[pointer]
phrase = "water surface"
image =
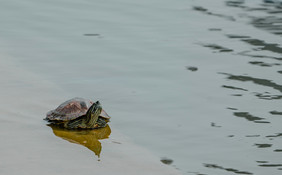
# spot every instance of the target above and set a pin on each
(191, 83)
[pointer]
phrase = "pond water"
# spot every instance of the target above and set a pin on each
(192, 87)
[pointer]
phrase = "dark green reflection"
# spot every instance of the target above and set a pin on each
(268, 97)
(207, 12)
(270, 165)
(88, 138)
(234, 88)
(275, 113)
(245, 53)
(263, 64)
(264, 46)
(217, 47)
(226, 169)
(264, 145)
(237, 36)
(269, 23)
(276, 135)
(166, 161)
(249, 117)
(259, 81)
(238, 4)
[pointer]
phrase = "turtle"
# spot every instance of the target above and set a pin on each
(78, 113)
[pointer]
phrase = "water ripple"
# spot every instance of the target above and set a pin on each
(217, 47)
(275, 113)
(207, 12)
(263, 145)
(263, 64)
(263, 45)
(250, 117)
(258, 81)
(234, 88)
(269, 23)
(226, 169)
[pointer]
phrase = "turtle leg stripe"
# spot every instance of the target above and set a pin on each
(76, 123)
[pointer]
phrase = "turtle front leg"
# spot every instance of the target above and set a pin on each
(76, 123)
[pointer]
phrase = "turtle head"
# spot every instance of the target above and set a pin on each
(96, 106)
(93, 114)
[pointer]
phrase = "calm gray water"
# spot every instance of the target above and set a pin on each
(195, 82)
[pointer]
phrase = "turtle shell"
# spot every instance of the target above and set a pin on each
(72, 109)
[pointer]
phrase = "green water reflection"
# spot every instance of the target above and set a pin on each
(88, 138)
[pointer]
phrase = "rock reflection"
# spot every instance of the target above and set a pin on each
(88, 138)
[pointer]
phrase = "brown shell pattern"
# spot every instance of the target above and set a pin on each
(70, 109)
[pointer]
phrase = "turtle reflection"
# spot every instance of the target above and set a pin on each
(88, 138)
